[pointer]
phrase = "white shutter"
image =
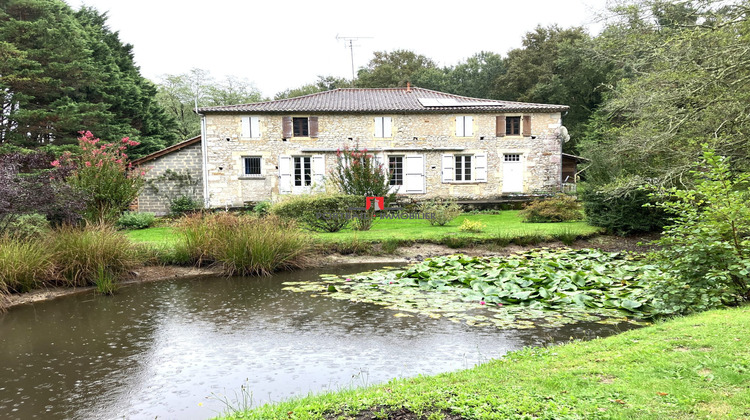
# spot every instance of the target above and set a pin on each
(480, 167)
(318, 171)
(245, 127)
(378, 126)
(379, 161)
(468, 126)
(448, 165)
(285, 174)
(255, 127)
(459, 126)
(387, 127)
(414, 174)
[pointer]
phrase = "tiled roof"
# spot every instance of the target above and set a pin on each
(384, 100)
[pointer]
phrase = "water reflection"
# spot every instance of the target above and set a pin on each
(160, 349)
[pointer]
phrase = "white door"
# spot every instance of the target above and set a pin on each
(512, 173)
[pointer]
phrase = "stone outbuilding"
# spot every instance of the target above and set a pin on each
(432, 143)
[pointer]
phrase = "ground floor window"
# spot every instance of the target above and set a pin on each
(396, 170)
(302, 171)
(252, 165)
(463, 168)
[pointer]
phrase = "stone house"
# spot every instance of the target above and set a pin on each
(433, 144)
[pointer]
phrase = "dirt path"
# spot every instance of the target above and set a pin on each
(417, 252)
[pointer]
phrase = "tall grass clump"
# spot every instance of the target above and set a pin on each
(24, 265)
(243, 244)
(94, 255)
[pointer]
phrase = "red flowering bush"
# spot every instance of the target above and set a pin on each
(102, 172)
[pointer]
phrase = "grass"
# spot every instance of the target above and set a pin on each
(503, 228)
(692, 367)
(24, 264)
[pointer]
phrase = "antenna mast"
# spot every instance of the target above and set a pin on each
(350, 40)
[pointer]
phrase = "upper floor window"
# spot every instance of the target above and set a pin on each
(464, 126)
(251, 127)
(300, 127)
(383, 127)
(512, 126)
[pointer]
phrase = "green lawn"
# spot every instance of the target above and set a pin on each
(686, 368)
(506, 224)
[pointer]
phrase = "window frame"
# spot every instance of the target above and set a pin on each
(459, 170)
(299, 121)
(509, 125)
(245, 166)
(394, 173)
(305, 171)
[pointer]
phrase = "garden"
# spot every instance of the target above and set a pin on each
(74, 230)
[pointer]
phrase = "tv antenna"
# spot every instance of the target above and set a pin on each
(349, 43)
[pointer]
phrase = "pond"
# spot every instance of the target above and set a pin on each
(175, 349)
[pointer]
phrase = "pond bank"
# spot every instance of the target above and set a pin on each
(690, 367)
(412, 253)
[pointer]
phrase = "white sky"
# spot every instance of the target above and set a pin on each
(285, 44)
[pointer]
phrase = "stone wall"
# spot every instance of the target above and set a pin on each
(163, 186)
(433, 134)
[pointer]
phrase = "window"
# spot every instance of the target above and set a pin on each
(512, 126)
(300, 127)
(396, 170)
(513, 157)
(464, 126)
(463, 167)
(252, 165)
(383, 127)
(302, 171)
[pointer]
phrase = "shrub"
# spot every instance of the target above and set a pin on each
(706, 249)
(359, 173)
(619, 208)
(136, 220)
(363, 222)
(24, 264)
(94, 255)
(322, 212)
(27, 226)
(184, 204)
(472, 226)
(242, 244)
(103, 174)
(262, 208)
(561, 208)
(443, 211)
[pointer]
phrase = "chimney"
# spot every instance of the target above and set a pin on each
(408, 87)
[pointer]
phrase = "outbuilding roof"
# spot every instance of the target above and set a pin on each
(404, 99)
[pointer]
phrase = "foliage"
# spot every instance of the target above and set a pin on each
(359, 173)
(103, 174)
(242, 244)
(474, 226)
(93, 255)
(136, 220)
(322, 212)
(323, 84)
(24, 264)
(27, 226)
(560, 208)
(392, 69)
(442, 211)
(62, 70)
(619, 207)
(179, 94)
(28, 184)
(706, 249)
(262, 208)
(184, 204)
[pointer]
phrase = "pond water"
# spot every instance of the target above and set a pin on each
(174, 349)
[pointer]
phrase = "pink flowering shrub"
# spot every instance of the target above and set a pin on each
(102, 172)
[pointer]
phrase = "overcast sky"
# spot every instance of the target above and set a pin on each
(285, 44)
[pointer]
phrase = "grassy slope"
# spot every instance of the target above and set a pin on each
(505, 224)
(692, 367)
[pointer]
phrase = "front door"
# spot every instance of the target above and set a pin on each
(512, 173)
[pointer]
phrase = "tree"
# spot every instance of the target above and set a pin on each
(180, 94)
(476, 76)
(392, 69)
(323, 84)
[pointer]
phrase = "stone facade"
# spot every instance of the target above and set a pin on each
(166, 179)
(431, 135)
